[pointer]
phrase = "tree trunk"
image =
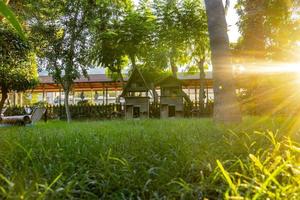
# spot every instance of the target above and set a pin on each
(226, 107)
(172, 62)
(121, 78)
(155, 95)
(254, 35)
(132, 58)
(4, 95)
(202, 83)
(122, 83)
(173, 67)
(68, 113)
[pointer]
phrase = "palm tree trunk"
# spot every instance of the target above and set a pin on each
(226, 107)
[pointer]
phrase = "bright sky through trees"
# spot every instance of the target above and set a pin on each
(232, 19)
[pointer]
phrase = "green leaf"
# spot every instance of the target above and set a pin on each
(227, 177)
(6, 12)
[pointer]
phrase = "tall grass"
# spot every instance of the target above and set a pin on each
(152, 159)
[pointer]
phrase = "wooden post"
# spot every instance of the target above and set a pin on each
(43, 94)
(207, 93)
(92, 98)
(196, 95)
(53, 97)
(106, 95)
(14, 98)
(103, 94)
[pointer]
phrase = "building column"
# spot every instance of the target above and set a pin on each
(103, 95)
(21, 99)
(92, 96)
(15, 98)
(196, 99)
(106, 95)
(43, 94)
(59, 96)
(207, 92)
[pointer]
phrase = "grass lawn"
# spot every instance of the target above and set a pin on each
(151, 159)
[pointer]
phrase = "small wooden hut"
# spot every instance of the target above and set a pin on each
(136, 95)
(172, 97)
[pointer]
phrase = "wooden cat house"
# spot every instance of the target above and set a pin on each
(172, 98)
(136, 95)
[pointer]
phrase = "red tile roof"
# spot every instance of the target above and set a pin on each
(96, 78)
(93, 78)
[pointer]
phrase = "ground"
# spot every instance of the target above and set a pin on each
(150, 159)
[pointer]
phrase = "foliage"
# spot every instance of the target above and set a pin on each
(121, 32)
(105, 19)
(170, 32)
(271, 172)
(61, 34)
(18, 70)
(269, 95)
(269, 29)
(153, 33)
(6, 12)
(194, 22)
(152, 159)
(64, 39)
(136, 30)
(17, 63)
(83, 102)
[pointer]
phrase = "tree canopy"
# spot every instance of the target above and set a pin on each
(59, 31)
(269, 28)
(18, 69)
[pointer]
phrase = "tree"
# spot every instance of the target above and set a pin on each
(120, 31)
(135, 32)
(18, 70)
(194, 22)
(269, 34)
(60, 32)
(226, 107)
(170, 32)
(269, 29)
(104, 22)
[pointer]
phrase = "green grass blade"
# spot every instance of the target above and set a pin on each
(49, 187)
(6, 12)
(227, 177)
(268, 180)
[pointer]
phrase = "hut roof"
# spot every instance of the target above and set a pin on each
(138, 79)
(169, 81)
